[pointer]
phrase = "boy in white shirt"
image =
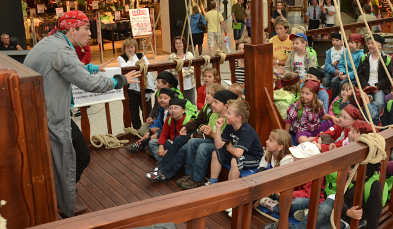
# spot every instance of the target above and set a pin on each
(333, 57)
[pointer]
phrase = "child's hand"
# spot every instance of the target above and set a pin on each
(149, 121)
(207, 129)
(161, 151)
(366, 97)
(332, 146)
(319, 140)
(335, 120)
(145, 136)
(355, 213)
(342, 77)
(318, 145)
(183, 131)
(154, 130)
(219, 123)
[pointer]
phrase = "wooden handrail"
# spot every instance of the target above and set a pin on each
(200, 202)
(351, 27)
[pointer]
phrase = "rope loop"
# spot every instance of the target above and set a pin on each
(221, 54)
(207, 61)
(179, 64)
(107, 140)
(143, 67)
(129, 130)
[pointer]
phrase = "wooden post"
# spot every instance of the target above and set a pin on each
(359, 190)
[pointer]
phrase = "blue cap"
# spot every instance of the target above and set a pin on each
(298, 35)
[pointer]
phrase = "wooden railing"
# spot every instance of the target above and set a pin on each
(352, 27)
(193, 206)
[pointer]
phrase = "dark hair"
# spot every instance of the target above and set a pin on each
(367, 8)
(213, 4)
(174, 50)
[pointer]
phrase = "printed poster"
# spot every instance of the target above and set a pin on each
(95, 5)
(83, 98)
(117, 16)
(140, 22)
(59, 12)
(40, 8)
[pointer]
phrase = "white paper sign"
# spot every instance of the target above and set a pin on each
(95, 5)
(32, 11)
(40, 8)
(59, 12)
(140, 22)
(117, 16)
(82, 98)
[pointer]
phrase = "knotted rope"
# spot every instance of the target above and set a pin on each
(143, 67)
(221, 54)
(129, 130)
(179, 64)
(109, 140)
(376, 153)
(207, 61)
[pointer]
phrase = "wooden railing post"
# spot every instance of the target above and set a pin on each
(199, 223)
(359, 190)
(339, 201)
(143, 98)
(232, 67)
(284, 205)
(85, 124)
(314, 203)
(126, 108)
(241, 216)
(197, 73)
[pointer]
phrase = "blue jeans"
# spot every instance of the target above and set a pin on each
(379, 97)
(323, 221)
(199, 154)
(297, 204)
(237, 33)
(328, 80)
(153, 145)
(336, 85)
(175, 157)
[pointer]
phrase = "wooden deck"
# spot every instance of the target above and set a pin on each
(116, 177)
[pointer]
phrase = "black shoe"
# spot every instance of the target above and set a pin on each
(77, 113)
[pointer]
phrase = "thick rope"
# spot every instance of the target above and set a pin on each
(179, 64)
(221, 54)
(108, 140)
(143, 68)
(207, 62)
(129, 130)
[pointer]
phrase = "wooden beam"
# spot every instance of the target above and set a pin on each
(314, 203)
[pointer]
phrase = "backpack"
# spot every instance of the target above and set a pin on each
(312, 52)
(388, 59)
(185, 121)
(191, 109)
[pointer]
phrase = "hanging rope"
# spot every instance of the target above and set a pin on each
(108, 140)
(221, 54)
(143, 67)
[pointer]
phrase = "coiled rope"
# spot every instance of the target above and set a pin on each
(221, 54)
(143, 69)
(110, 141)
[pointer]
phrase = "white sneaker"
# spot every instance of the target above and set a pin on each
(268, 203)
(228, 210)
(300, 215)
(207, 183)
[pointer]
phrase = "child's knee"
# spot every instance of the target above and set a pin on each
(214, 155)
(234, 163)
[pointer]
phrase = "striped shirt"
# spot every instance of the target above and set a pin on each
(240, 74)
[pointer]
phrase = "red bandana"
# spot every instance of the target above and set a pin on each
(312, 85)
(353, 112)
(282, 83)
(363, 127)
(71, 19)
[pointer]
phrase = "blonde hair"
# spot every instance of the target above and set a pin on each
(242, 108)
(128, 42)
(236, 88)
(345, 86)
(217, 78)
(299, 29)
(214, 88)
(292, 88)
(282, 137)
(316, 106)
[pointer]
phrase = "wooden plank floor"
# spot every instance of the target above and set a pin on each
(116, 177)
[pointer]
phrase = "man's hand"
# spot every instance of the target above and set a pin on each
(149, 121)
(183, 131)
(355, 213)
(132, 75)
(102, 66)
(219, 123)
(336, 72)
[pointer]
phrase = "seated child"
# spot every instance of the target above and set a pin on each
(334, 108)
(286, 92)
(199, 148)
(355, 42)
(372, 105)
(338, 133)
(304, 116)
(302, 193)
(210, 77)
(333, 57)
(300, 61)
(317, 75)
(237, 89)
(245, 149)
(165, 95)
(164, 80)
(371, 72)
(177, 118)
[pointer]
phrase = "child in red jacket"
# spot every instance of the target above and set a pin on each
(338, 133)
(210, 76)
(173, 124)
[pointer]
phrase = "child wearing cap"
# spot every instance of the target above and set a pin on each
(333, 57)
(177, 118)
(304, 116)
(238, 145)
(164, 80)
(301, 193)
(355, 42)
(155, 128)
(286, 92)
(300, 60)
(338, 133)
(199, 148)
(371, 105)
(210, 77)
(317, 75)
(371, 72)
